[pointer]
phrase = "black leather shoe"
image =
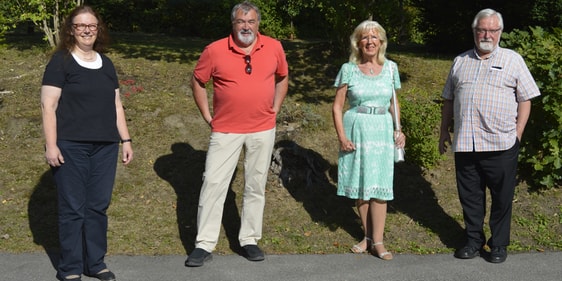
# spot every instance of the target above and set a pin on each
(468, 252)
(254, 253)
(198, 257)
(71, 279)
(498, 255)
(105, 276)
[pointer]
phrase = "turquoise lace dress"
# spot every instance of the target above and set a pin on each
(368, 171)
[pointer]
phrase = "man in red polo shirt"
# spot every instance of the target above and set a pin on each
(250, 81)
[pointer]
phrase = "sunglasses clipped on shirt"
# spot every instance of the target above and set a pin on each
(248, 61)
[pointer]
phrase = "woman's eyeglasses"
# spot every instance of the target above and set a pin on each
(82, 26)
(248, 61)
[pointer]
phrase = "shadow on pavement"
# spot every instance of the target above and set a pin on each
(43, 217)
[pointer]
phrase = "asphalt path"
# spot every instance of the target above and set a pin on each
(546, 266)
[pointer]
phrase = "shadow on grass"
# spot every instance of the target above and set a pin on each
(24, 41)
(311, 71)
(43, 217)
(304, 173)
(414, 197)
(183, 169)
(158, 47)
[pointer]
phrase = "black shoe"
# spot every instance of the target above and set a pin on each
(254, 253)
(468, 252)
(105, 276)
(498, 255)
(71, 279)
(198, 257)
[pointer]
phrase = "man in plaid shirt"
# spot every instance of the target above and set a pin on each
(488, 95)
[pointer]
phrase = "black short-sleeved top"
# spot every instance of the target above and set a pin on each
(86, 109)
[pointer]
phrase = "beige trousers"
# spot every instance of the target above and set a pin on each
(222, 159)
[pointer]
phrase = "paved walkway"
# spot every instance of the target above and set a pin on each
(518, 267)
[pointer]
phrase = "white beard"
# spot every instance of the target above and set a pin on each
(247, 38)
(486, 46)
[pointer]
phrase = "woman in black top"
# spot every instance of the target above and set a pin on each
(83, 123)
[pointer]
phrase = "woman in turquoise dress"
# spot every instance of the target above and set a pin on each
(366, 132)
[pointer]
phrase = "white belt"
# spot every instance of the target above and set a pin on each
(372, 109)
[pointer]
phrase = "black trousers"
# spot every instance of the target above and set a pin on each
(84, 184)
(496, 170)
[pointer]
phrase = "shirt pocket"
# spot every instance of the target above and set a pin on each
(499, 77)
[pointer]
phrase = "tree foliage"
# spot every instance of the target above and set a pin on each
(7, 16)
(443, 25)
(48, 15)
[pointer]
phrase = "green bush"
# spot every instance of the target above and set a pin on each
(540, 154)
(420, 118)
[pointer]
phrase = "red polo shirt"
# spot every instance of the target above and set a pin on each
(242, 103)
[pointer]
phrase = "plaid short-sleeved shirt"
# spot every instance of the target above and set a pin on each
(486, 93)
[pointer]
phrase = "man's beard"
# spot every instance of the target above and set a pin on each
(242, 36)
(486, 46)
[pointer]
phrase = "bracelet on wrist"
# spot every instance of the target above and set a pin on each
(126, 140)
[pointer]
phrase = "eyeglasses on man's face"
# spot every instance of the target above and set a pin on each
(481, 31)
(248, 61)
(243, 22)
(83, 26)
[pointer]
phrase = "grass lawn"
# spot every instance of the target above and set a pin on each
(154, 205)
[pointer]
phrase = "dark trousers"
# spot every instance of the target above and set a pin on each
(496, 170)
(84, 185)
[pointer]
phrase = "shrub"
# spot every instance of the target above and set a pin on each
(540, 153)
(420, 119)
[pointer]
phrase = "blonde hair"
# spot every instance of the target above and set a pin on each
(355, 38)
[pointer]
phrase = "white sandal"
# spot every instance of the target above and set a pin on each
(384, 255)
(356, 249)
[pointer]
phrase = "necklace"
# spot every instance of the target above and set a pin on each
(371, 71)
